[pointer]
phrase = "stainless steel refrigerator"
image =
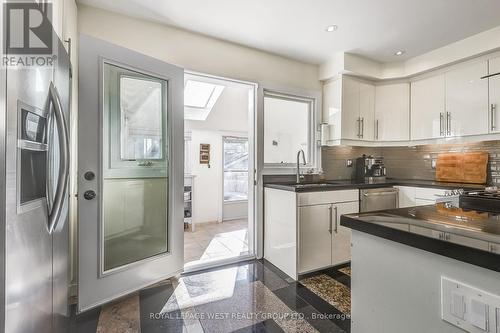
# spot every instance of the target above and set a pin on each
(34, 169)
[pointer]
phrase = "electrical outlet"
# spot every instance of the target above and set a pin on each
(433, 163)
(348, 163)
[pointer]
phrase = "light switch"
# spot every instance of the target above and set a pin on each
(457, 305)
(478, 315)
(469, 308)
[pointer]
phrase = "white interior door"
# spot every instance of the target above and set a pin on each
(131, 156)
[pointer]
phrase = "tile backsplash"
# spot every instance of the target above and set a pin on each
(406, 162)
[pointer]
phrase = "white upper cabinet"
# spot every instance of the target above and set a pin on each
(494, 87)
(349, 109)
(450, 103)
(367, 110)
(467, 100)
(351, 125)
(428, 108)
(392, 112)
(332, 102)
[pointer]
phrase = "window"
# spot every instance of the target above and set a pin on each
(287, 128)
(200, 98)
(134, 122)
(140, 119)
(235, 168)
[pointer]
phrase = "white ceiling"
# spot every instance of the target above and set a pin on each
(296, 28)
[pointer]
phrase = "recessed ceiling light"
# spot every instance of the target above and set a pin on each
(332, 28)
(400, 52)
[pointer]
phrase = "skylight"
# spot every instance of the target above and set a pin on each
(200, 98)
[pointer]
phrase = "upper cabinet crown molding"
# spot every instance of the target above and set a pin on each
(468, 48)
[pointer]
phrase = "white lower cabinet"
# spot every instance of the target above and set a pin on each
(406, 196)
(302, 231)
(315, 238)
(323, 242)
(410, 196)
(341, 236)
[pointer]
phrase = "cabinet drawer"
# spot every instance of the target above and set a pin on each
(426, 232)
(452, 238)
(428, 193)
(467, 241)
(319, 198)
(494, 247)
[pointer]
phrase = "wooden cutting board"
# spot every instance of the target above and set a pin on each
(462, 167)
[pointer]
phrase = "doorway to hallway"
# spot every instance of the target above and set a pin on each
(219, 163)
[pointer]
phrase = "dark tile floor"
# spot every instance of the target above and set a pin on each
(252, 296)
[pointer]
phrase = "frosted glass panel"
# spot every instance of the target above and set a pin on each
(140, 118)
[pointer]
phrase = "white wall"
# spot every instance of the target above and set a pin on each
(196, 52)
(208, 189)
(397, 288)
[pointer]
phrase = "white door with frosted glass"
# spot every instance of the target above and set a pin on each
(130, 177)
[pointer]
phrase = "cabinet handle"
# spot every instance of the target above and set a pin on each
(330, 222)
(448, 123)
(441, 131)
(358, 121)
(336, 220)
(362, 127)
(376, 129)
(493, 114)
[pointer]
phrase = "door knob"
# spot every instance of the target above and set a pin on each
(89, 175)
(89, 195)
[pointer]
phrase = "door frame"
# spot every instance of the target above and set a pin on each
(104, 288)
(253, 236)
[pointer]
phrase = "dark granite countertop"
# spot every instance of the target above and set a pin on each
(468, 236)
(332, 185)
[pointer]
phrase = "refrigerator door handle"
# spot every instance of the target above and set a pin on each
(57, 204)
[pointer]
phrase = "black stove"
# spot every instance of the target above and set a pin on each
(485, 201)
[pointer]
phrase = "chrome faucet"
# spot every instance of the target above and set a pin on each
(299, 176)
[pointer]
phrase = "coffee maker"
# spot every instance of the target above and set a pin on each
(370, 169)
